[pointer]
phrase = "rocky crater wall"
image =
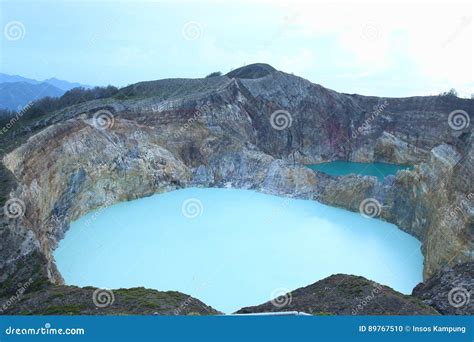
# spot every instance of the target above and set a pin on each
(226, 138)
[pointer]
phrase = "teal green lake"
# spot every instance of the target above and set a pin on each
(341, 168)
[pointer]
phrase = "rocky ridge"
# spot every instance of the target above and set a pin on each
(342, 294)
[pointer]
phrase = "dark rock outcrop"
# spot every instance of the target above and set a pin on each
(343, 294)
(450, 290)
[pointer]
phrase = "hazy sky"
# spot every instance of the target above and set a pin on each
(399, 49)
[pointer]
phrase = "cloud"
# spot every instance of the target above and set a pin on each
(435, 38)
(399, 49)
(298, 61)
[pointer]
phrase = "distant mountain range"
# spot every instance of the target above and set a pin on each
(17, 91)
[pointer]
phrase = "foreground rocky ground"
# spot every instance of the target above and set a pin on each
(254, 129)
(71, 300)
(450, 290)
(336, 295)
(447, 292)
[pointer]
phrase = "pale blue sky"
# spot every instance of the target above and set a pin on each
(373, 49)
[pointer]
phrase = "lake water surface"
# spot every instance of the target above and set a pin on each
(232, 248)
(341, 168)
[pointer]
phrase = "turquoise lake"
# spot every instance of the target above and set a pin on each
(340, 168)
(232, 248)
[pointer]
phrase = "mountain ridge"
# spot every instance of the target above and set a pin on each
(17, 91)
(17, 95)
(58, 83)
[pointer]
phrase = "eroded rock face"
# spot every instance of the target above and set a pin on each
(230, 132)
(389, 147)
(342, 294)
(435, 202)
(424, 202)
(86, 168)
